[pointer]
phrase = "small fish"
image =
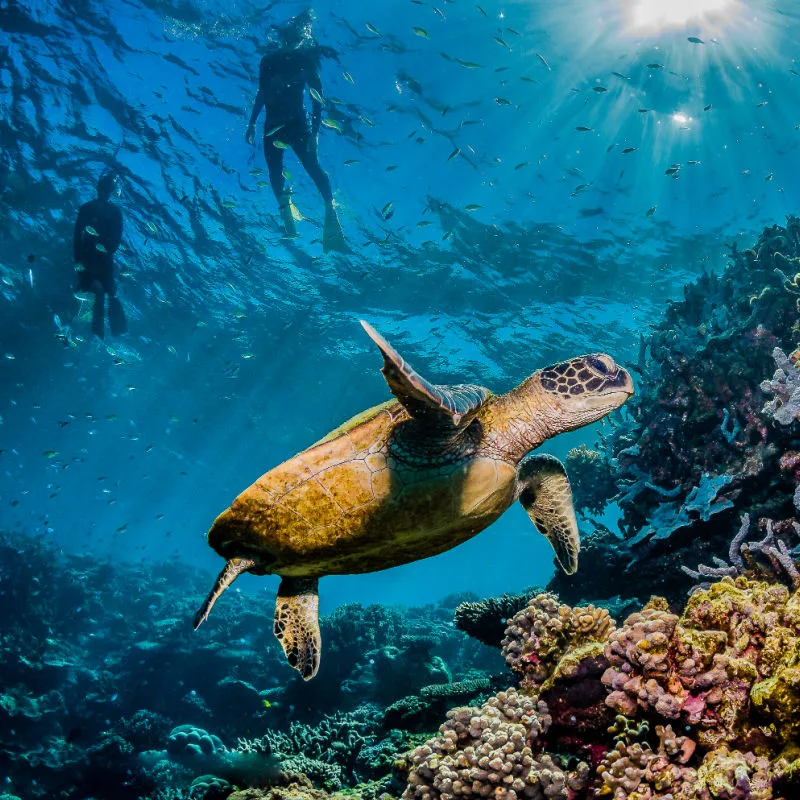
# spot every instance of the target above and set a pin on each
(630, 149)
(391, 168)
(472, 207)
(228, 204)
(502, 42)
(544, 61)
(599, 89)
(693, 163)
(695, 40)
(316, 95)
(655, 66)
(262, 184)
(256, 172)
(482, 11)
(266, 703)
(582, 128)
(762, 104)
(50, 454)
(528, 80)
(501, 101)
(348, 77)
(372, 29)
(672, 170)
(387, 208)
(351, 161)
(332, 124)
(708, 107)
(421, 32)
(643, 110)
(454, 154)
(620, 75)
(91, 231)
(469, 64)
(273, 131)
(100, 248)
(651, 211)
(152, 227)
(514, 31)
(522, 164)
(769, 177)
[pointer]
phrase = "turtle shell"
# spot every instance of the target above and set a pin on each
(364, 499)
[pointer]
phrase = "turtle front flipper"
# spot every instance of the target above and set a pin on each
(455, 404)
(545, 494)
(297, 624)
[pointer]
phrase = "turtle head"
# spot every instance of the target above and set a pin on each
(584, 389)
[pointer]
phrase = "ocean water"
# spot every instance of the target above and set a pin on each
(518, 184)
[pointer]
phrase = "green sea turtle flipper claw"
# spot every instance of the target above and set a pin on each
(297, 624)
(545, 494)
(423, 400)
(232, 570)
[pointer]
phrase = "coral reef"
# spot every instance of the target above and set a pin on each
(709, 435)
(706, 706)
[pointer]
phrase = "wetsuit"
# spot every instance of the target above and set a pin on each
(283, 77)
(98, 232)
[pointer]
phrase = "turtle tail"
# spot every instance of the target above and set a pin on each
(233, 569)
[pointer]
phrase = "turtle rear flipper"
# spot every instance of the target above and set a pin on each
(547, 497)
(297, 624)
(425, 401)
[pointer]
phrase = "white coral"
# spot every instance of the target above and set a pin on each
(785, 386)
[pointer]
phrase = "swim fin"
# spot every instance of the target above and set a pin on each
(116, 317)
(332, 234)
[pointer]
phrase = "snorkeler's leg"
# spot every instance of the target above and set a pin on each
(332, 234)
(274, 158)
(98, 309)
(116, 313)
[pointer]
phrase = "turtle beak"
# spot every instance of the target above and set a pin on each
(233, 569)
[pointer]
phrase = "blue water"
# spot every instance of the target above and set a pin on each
(242, 349)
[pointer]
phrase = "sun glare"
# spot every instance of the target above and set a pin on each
(653, 16)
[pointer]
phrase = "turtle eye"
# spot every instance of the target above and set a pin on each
(602, 363)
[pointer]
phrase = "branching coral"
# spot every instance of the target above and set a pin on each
(785, 388)
(769, 557)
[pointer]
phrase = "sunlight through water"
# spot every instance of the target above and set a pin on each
(653, 16)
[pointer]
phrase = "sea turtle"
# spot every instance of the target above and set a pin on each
(409, 479)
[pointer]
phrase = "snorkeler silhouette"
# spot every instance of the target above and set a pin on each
(98, 231)
(284, 74)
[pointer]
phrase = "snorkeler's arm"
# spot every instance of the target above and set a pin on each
(315, 83)
(257, 106)
(259, 103)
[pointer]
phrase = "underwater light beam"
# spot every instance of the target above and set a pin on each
(653, 16)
